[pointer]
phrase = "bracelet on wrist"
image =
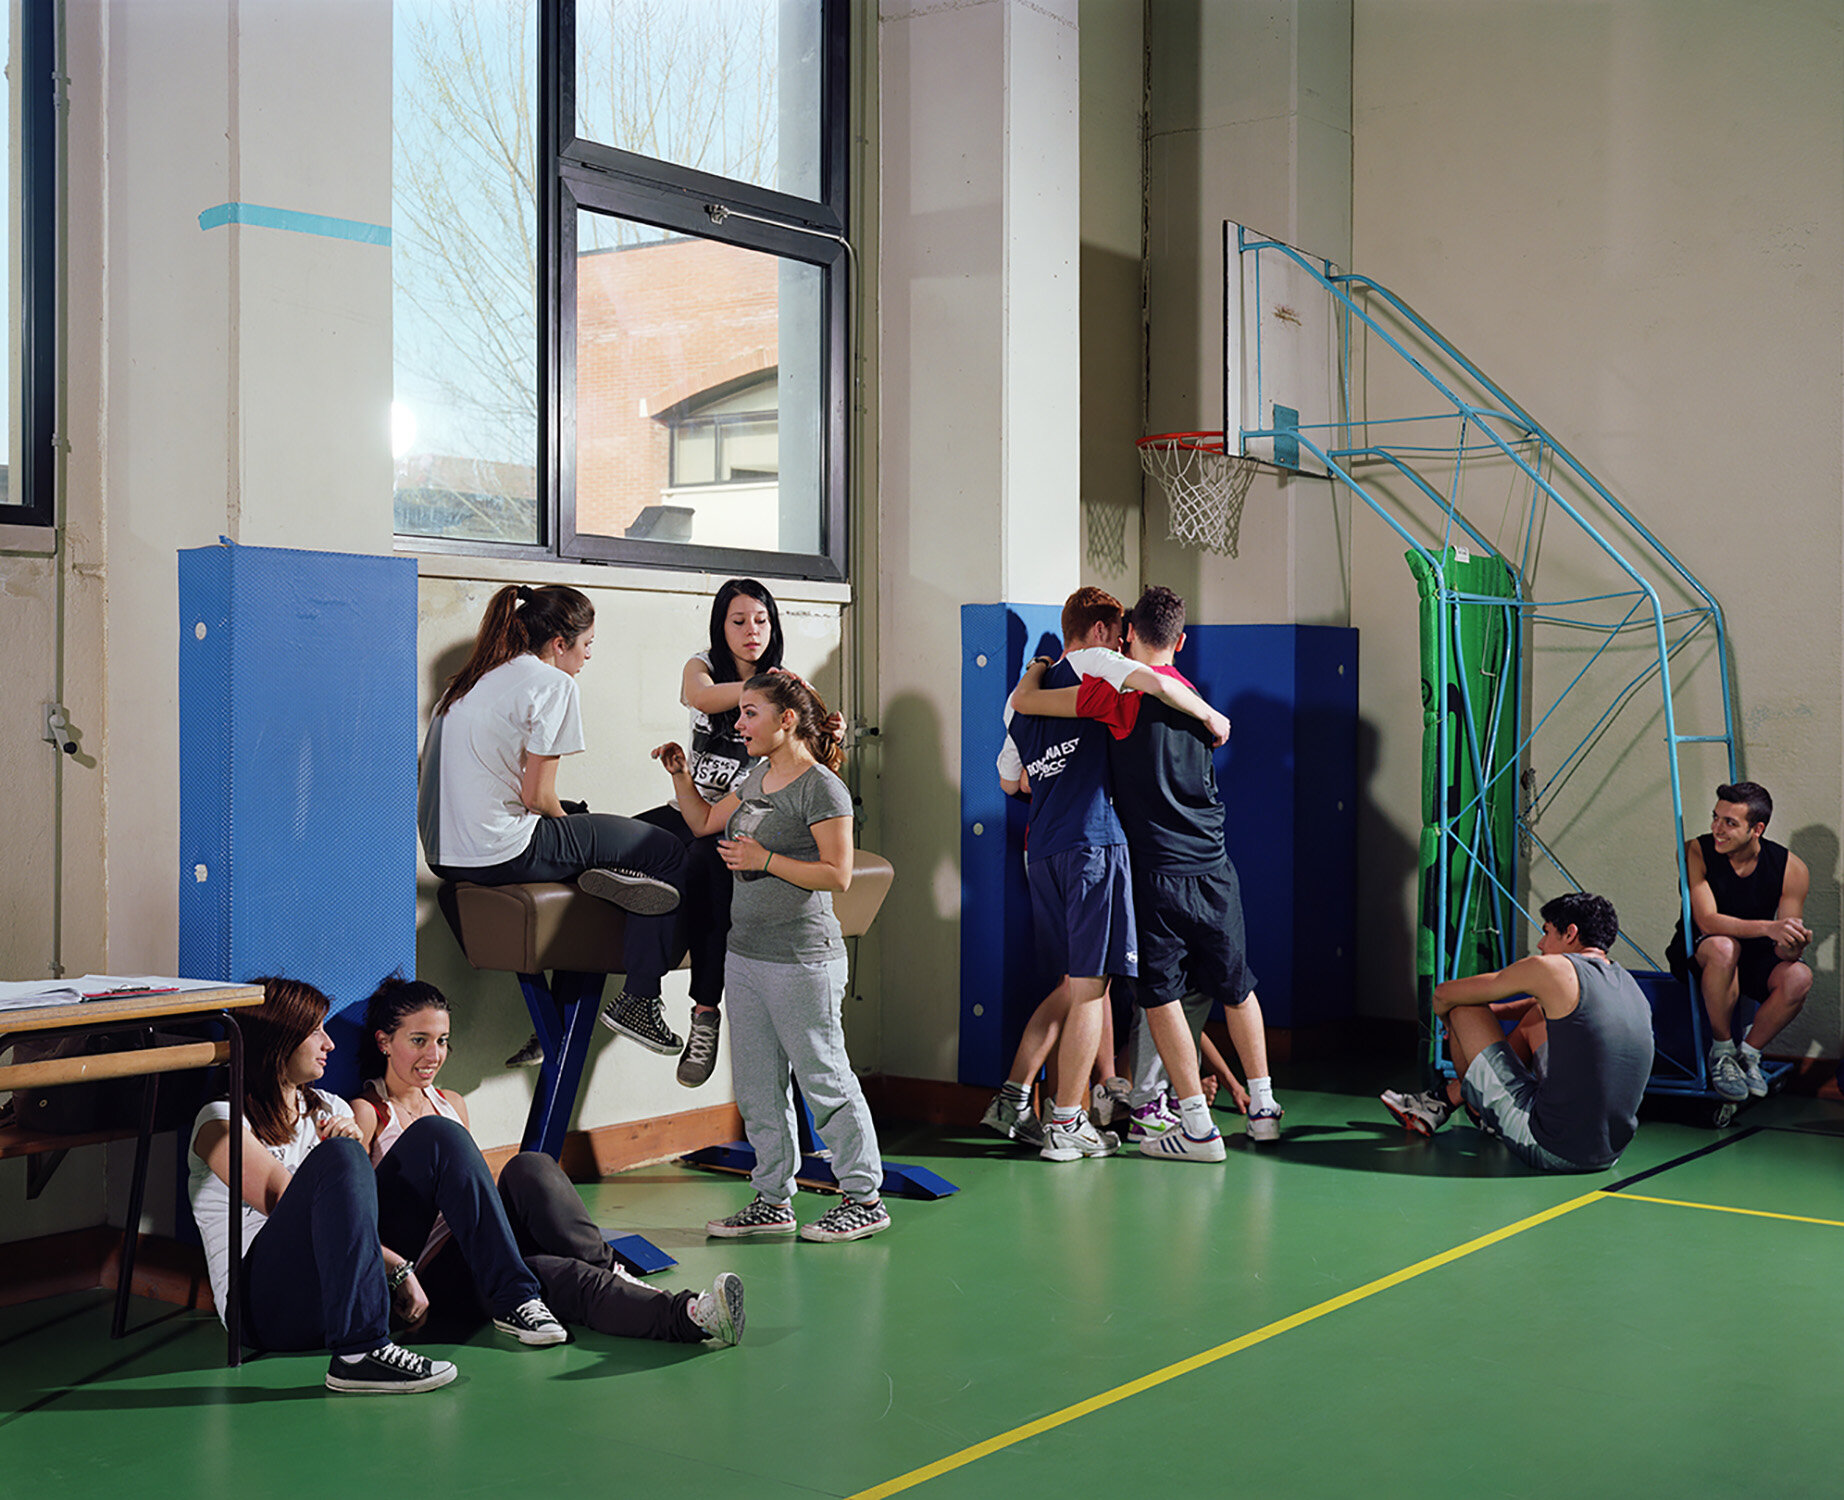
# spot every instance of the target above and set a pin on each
(769, 861)
(402, 1274)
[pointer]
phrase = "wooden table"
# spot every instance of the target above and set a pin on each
(140, 1013)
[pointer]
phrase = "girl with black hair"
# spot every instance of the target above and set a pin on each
(487, 805)
(407, 1031)
(745, 639)
(316, 1273)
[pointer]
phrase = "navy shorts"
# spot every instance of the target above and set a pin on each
(1192, 939)
(1082, 905)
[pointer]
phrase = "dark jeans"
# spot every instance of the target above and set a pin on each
(562, 848)
(435, 1167)
(562, 1244)
(704, 910)
(313, 1277)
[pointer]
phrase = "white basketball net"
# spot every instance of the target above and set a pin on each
(1204, 487)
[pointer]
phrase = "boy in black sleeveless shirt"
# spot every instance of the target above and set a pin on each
(1747, 903)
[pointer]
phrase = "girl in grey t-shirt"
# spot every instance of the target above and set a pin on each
(788, 841)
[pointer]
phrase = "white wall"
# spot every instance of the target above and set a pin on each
(1630, 216)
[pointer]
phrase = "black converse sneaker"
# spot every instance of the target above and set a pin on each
(719, 1312)
(529, 1055)
(700, 1048)
(848, 1219)
(639, 1017)
(389, 1370)
(531, 1322)
(630, 890)
(761, 1217)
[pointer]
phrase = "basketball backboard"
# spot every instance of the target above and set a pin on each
(1280, 351)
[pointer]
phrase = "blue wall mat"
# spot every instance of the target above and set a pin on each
(297, 739)
(1288, 777)
(1000, 983)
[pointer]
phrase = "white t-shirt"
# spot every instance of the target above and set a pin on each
(469, 812)
(1091, 661)
(210, 1194)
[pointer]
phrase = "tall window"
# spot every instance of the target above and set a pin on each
(621, 283)
(30, 371)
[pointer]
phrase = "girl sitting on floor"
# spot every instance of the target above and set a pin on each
(407, 1031)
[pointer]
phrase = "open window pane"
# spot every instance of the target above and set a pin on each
(698, 380)
(728, 87)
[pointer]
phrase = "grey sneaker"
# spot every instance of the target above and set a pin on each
(639, 1017)
(1727, 1078)
(1750, 1069)
(631, 891)
(700, 1048)
(848, 1219)
(1079, 1138)
(531, 1323)
(719, 1312)
(1107, 1101)
(1014, 1122)
(529, 1055)
(389, 1370)
(761, 1217)
(1422, 1113)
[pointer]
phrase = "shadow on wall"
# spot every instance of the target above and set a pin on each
(1817, 845)
(1387, 861)
(920, 927)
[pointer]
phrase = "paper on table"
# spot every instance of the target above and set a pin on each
(22, 994)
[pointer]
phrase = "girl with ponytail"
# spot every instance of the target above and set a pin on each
(787, 838)
(487, 805)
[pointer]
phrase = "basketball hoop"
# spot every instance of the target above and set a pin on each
(1204, 486)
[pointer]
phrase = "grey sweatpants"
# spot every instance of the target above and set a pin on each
(788, 1015)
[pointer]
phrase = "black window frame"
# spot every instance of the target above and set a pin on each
(577, 174)
(31, 498)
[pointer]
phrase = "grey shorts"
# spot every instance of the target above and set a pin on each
(1501, 1090)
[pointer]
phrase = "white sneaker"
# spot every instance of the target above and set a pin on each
(1177, 1145)
(1067, 1142)
(1750, 1069)
(719, 1311)
(1265, 1123)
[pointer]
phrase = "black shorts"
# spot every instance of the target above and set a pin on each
(1191, 938)
(1755, 971)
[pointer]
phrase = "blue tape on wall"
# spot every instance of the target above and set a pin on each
(297, 720)
(260, 217)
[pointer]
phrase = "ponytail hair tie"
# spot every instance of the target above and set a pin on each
(524, 594)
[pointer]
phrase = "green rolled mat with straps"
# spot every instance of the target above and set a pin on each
(1470, 693)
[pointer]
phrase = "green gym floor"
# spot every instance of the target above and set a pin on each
(1353, 1312)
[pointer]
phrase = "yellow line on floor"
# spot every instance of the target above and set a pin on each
(1210, 1356)
(1723, 1208)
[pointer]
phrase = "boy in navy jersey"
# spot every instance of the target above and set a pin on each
(1186, 897)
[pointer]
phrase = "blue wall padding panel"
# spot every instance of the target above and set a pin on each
(1000, 983)
(297, 741)
(1288, 778)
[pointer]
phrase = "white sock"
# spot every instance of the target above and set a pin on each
(1066, 1116)
(1752, 1054)
(1195, 1114)
(1722, 1049)
(1015, 1093)
(1261, 1094)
